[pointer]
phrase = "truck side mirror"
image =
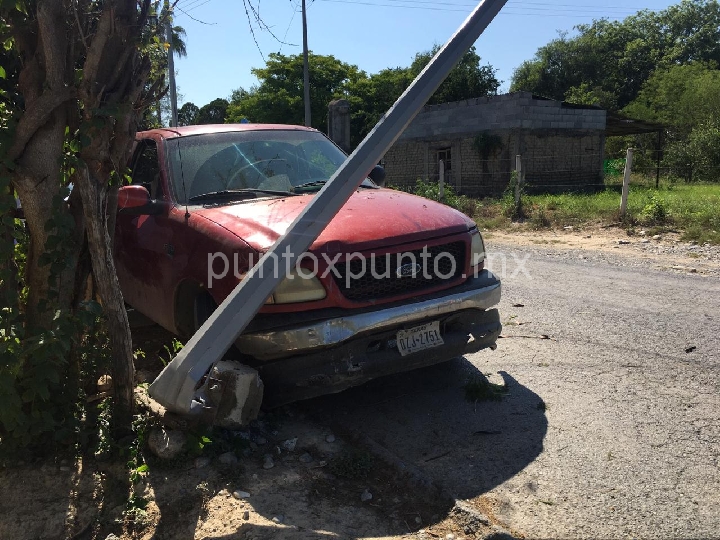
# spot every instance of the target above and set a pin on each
(377, 175)
(136, 201)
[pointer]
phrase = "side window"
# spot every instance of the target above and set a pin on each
(146, 168)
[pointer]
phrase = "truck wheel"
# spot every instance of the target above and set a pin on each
(203, 308)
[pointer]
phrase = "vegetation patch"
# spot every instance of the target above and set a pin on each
(353, 464)
(480, 389)
(693, 209)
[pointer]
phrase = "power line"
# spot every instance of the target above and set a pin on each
(193, 18)
(198, 5)
(191, 4)
(295, 11)
(508, 11)
(523, 5)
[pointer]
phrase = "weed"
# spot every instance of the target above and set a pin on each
(197, 443)
(172, 350)
(511, 208)
(353, 464)
(539, 219)
(480, 389)
(137, 470)
(655, 211)
(135, 509)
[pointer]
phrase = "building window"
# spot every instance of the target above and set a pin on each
(445, 156)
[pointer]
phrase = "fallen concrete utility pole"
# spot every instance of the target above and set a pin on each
(176, 387)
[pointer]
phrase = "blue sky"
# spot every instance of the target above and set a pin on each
(372, 34)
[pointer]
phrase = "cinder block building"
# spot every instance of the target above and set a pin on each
(561, 144)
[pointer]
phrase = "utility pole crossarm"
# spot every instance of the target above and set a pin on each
(177, 386)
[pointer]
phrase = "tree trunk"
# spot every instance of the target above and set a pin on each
(8, 268)
(93, 190)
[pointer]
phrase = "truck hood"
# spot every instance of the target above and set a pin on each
(371, 218)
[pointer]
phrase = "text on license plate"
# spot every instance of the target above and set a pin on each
(419, 338)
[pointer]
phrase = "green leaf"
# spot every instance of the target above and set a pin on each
(2, 73)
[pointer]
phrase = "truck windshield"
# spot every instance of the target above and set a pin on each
(268, 162)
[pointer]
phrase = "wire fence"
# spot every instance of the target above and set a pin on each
(554, 173)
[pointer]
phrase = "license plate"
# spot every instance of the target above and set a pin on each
(421, 337)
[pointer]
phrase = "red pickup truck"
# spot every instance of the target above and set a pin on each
(393, 283)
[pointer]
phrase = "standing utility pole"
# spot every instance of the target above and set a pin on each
(306, 68)
(171, 68)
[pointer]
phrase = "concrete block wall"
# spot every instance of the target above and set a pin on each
(405, 163)
(487, 174)
(560, 160)
(510, 111)
(553, 160)
(562, 146)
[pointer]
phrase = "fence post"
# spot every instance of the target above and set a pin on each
(442, 180)
(626, 183)
(518, 179)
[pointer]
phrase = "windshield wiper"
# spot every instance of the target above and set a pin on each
(236, 193)
(314, 183)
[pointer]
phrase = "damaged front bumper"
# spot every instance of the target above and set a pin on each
(327, 355)
(478, 293)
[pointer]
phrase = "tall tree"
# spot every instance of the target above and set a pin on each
(468, 79)
(686, 100)
(188, 114)
(83, 78)
(616, 58)
(279, 96)
(213, 113)
(371, 97)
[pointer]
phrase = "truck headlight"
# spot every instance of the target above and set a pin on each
(297, 288)
(477, 249)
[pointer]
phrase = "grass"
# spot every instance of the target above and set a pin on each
(692, 209)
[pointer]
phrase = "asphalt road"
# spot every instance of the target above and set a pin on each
(627, 441)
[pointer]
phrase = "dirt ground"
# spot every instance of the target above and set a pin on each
(349, 476)
(319, 489)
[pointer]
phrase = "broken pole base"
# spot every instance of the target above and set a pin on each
(237, 392)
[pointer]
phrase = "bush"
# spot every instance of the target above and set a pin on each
(655, 212)
(431, 190)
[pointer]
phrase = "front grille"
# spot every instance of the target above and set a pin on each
(386, 283)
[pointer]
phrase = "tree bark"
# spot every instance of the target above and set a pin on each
(93, 192)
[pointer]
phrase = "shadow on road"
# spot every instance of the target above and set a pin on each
(424, 418)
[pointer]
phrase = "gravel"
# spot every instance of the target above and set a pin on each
(658, 256)
(228, 458)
